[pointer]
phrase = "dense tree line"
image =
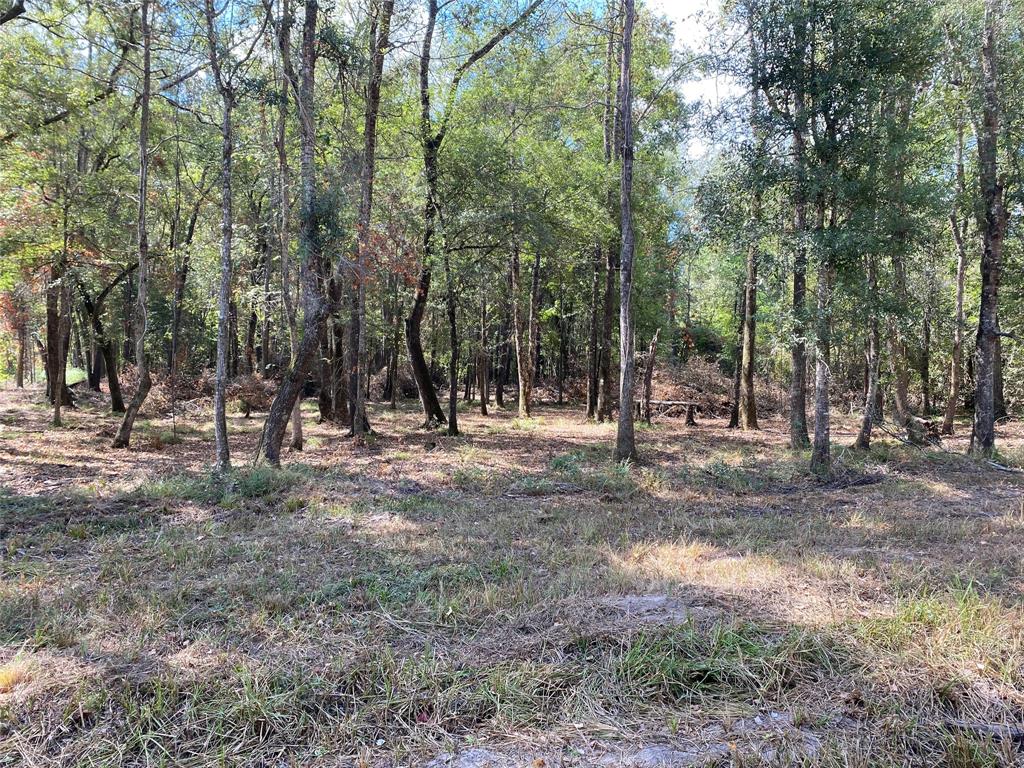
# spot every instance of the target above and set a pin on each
(496, 196)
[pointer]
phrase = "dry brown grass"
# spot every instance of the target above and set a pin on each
(511, 589)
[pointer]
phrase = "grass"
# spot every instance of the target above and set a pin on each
(513, 589)
(15, 672)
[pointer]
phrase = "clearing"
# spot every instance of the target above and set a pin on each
(506, 598)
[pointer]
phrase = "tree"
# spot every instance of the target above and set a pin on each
(432, 132)
(625, 441)
(124, 433)
(318, 296)
(993, 223)
(379, 33)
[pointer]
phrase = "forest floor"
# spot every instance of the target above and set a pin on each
(509, 597)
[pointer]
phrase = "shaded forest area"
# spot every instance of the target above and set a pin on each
(515, 383)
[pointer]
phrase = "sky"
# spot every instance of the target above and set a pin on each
(692, 21)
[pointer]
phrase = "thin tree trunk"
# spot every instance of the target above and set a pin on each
(379, 40)
(798, 352)
(612, 151)
(318, 295)
(652, 353)
(993, 228)
(482, 356)
(737, 363)
(871, 390)
(124, 433)
(524, 346)
(821, 457)
(62, 346)
(289, 85)
(19, 374)
(593, 348)
(432, 413)
(224, 304)
(625, 441)
(453, 340)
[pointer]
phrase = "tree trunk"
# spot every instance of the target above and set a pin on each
(482, 357)
(124, 433)
(821, 457)
(524, 337)
(649, 376)
(19, 373)
(957, 356)
(379, 40)
(224, 304)
(625, 441)
(798, 350)
(871, 390)
(453, 340)
(593, 350)
(318, 294)
(63, 336)
(737, 364)
(612, 151)
(433, 414)
(993, 223)
(289, 86)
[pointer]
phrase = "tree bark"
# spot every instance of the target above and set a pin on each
(993, 224)
(747, 403)
(225, 309)
(318, 295)
(612, 151)
(124, 433)
(863, 441)
(379, 40)
(19, 373)
(821, 456)
(525, 334)
(652, 353)
(482, 358)
(593, 348)
(453, 341)
(798, 351)
(431, 142)
(94, 309)
(289, 86)
(625, 441)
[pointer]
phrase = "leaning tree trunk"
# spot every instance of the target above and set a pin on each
(993, 228)
(625, 440)
(432, 411)
(124, 433)
(317, 293)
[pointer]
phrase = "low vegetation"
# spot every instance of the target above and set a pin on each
(509, 594)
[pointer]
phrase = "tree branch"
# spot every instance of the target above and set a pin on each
(64, 114)
(17, 9)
